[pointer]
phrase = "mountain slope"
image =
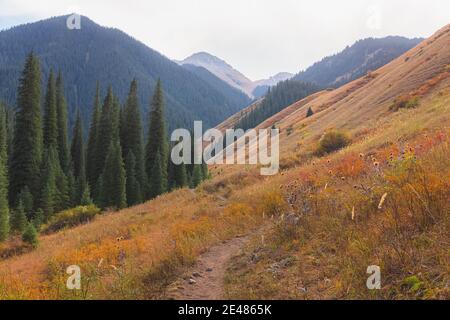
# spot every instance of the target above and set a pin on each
(324, 223)
(225, 72)
(221, 69)
(355, 61)
(231, 94)
(111, 57)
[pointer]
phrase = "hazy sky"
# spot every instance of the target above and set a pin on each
(257, 37)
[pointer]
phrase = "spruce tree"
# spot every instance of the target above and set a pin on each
(4, 208)
(156, 182)
(78, 160)
(27, 142)
(50, 114)
(205, 173)
(48, 197)
(105, 130)
(131, 135)
(86, 199)
(30, 235)
(91, 154)
(309, 113)
(157, 141)
(63, 140)
(133, 187)
(27, 201)
(113, 192)
(196, 175)
(18, 219)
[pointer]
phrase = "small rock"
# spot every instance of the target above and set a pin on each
(209, 269)
(302, 289)
(192, 281)
(196, 275)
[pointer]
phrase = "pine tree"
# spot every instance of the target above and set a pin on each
(91, 156)
(18, 219)
(196, 175)
(309, 113)
(156, 182)
(48, 197)
(205, 173)
(157, 140)
(86, 199)
(132, 136)
(50, 114)
(4, 209)
(105, 130)
(27, 201)
(133, 187)
(78, 160)
(30, 235)
(63, 140)
(114, 179)
(27, 142)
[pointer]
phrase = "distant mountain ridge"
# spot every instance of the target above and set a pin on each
(356, 60)
(95, 53)
(233, 77)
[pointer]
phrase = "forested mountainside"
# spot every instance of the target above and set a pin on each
(95, 53)
(356, 60)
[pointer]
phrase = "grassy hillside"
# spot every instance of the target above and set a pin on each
(383, 200)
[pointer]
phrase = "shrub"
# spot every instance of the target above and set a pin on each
(30, 235)
(72, 217)
(404, 102)
(332, 141)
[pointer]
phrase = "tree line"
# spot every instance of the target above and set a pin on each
(43, 173)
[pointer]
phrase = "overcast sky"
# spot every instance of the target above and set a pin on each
(257, 37)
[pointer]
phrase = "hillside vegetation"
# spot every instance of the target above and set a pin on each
(381, 200)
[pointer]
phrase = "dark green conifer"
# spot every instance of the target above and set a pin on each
(63, 140)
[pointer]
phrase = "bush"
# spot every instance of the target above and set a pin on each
(30, 235)
(404, 102)
(332, 141)
(72, 217)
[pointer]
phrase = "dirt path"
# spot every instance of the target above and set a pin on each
(206, 279)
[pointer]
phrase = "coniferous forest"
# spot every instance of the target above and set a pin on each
(43, 172)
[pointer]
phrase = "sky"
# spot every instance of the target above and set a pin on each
(258, 37)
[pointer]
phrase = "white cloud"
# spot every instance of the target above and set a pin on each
(258, 37)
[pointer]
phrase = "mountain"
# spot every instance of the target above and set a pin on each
(233, 77)
(381, 201)
(221, 69)
(356, 60)
(234, 95)
(261, 86)
(95, 53)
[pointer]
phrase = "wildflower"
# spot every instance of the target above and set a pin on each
(342, 178)
(353, 213)
(383, 198)
(330, 172)
(376, 164)
(361, 155)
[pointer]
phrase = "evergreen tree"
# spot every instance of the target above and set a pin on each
(114, 179)
(196, 175)
(91, 157)
(30, 235)
(133, 187)
(48, 198)
(86, 199)
(38, 219)
(180, 176)
(205, 173)
(4, 209)
(156, 182)
(63, 140)
(18, 219)
(27, 200)
(50, 114)
(105, 131)
(27, 142)
(78, 160)
(132, 136)
(157, 139)
(309, 113)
